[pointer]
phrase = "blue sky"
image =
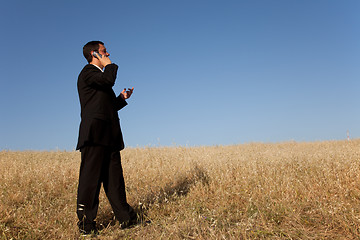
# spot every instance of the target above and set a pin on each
(205, 72)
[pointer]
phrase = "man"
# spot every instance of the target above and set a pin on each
(100, 140)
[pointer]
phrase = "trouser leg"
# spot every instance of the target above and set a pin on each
(114, 186)
(92, 159)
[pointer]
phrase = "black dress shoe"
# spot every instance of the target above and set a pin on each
(87, 228)
(133, 222)
(128, 224)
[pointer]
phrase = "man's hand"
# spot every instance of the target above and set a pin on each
(125, 94)
(104, 60)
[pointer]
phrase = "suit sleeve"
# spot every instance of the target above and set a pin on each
(102, 79)
(120, 103)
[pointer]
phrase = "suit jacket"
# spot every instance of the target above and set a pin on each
(99, 105)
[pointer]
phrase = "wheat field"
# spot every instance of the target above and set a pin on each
(290, 190)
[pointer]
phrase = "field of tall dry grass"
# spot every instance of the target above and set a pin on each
(286, 190)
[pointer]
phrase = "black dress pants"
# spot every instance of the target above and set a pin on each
(100, 164)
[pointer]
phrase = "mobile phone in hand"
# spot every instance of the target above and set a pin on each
(97, 55)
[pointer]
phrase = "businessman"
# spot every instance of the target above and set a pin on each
(100, 140)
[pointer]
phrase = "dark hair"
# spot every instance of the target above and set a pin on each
(91, 46)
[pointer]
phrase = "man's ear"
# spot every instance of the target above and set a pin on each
(92, 55)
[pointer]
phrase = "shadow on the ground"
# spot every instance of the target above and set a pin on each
(180, 187)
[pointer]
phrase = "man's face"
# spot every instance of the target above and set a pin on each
(102, 50)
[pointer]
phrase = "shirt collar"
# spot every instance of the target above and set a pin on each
(98, 67)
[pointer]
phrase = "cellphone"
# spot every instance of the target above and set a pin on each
(97, 55)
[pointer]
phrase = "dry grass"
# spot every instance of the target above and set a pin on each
(253, 191)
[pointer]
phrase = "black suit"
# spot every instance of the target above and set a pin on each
(100, 141)
(99, 106)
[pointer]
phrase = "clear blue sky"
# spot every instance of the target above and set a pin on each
(205, 72)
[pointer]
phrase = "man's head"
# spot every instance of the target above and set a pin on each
(92, 46)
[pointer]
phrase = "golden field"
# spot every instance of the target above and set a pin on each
(290, 190)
